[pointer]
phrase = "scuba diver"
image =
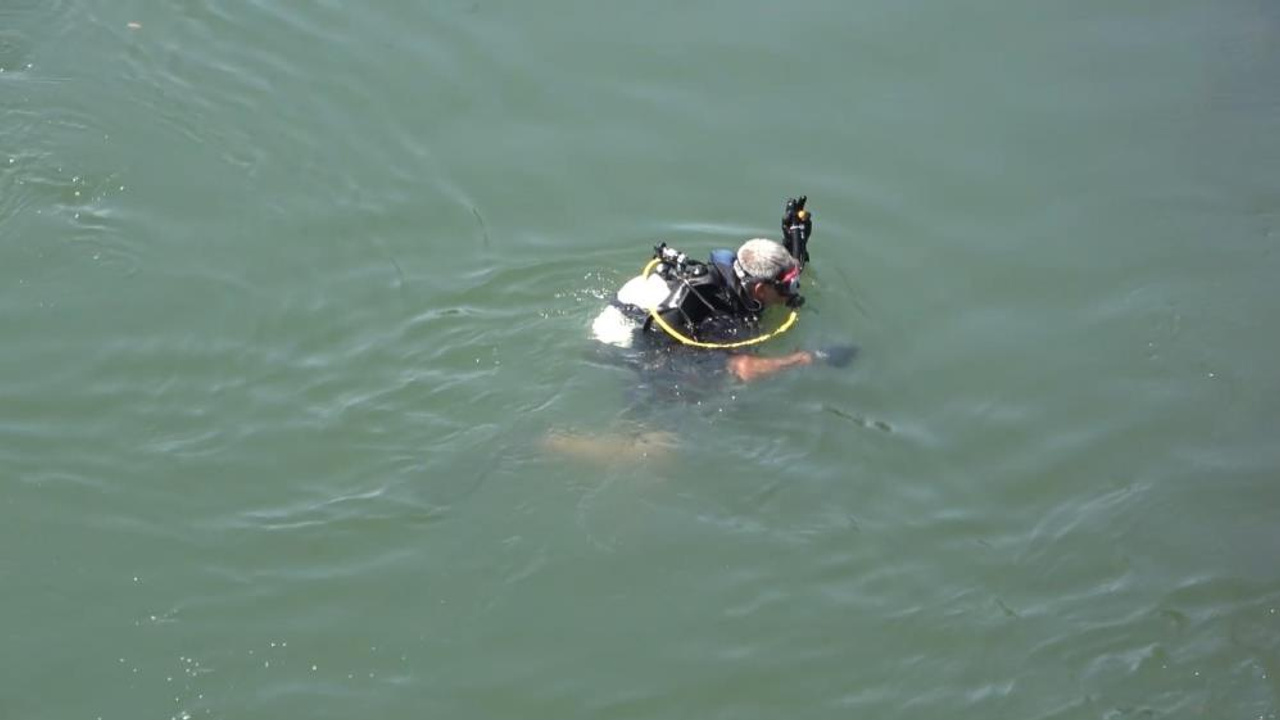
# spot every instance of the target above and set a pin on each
(686, 325)
(678, 305)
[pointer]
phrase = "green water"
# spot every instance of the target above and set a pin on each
(291, 294)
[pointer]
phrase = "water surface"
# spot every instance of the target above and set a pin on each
(291, 297)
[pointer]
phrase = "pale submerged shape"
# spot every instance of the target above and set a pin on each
(612, 326)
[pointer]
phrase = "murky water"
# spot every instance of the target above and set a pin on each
(293, 297)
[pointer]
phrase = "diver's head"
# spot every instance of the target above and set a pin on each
(770, 275)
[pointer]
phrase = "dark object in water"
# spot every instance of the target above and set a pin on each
(797, 226)
(836, 355)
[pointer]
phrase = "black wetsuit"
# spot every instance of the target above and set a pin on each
(707, 303)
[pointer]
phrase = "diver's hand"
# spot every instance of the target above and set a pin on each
(835, 355)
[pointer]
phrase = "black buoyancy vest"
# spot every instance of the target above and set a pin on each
(705, 292)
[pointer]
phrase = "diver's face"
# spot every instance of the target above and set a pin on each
(766, 294)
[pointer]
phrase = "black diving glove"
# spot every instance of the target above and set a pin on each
(836, 355)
